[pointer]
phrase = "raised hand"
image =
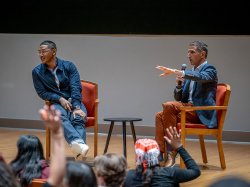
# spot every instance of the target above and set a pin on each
(51, 117)
(173, 137)
(166, 71)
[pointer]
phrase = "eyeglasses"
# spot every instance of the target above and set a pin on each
(43, 51)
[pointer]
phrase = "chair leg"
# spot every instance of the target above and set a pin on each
(203, 149)
(183, 141)
(47, 143)
(124, 138)
(108, 138)
(133, 131)
(165, 154)
(221, 152)
(95, 139)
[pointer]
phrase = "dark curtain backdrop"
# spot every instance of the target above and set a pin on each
(177, 17)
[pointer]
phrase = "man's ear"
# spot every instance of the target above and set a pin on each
(54, 51)
(203, 53)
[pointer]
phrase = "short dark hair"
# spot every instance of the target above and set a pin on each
(230, 181)
(50, 44)
(79, 174)
(200, 46)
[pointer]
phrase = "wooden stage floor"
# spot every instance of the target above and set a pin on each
(237, 154)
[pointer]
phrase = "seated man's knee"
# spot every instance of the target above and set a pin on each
(77, 119)
(168, 105)
(158, 115)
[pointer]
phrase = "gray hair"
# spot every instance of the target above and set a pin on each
(112, 168)
(50, 44)
(200, 46)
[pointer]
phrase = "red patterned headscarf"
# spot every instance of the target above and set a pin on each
(147, 152)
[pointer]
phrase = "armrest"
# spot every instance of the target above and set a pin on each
(97, 101)
(193, 108)
(37, 182)
(184, 109)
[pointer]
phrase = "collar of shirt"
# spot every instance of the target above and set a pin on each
(58, 65)
(200, 66)
(191, 85)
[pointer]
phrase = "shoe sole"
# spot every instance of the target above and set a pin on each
(81, 157)
(76, 148)
(85, 152)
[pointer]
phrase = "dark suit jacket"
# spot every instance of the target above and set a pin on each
(204, 92)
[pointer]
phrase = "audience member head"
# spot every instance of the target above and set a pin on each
(230, 181)
(7, 178)
(147, 152)
(27, 163)
(111, 169)
(79, 174)
(29, 147)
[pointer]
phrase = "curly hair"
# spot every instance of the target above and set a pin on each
(112, 168)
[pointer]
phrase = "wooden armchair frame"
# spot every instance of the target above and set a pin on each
(222, 100)
(38, 182)
(92, 120)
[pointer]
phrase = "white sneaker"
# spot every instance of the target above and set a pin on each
(80, 150)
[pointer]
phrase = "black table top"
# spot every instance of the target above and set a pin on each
(122, 119)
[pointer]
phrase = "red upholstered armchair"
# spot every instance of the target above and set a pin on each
(90, 100)
(222, 100)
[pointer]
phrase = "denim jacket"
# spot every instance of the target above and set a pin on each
(69, 82)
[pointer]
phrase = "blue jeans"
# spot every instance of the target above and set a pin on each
(74, 128)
